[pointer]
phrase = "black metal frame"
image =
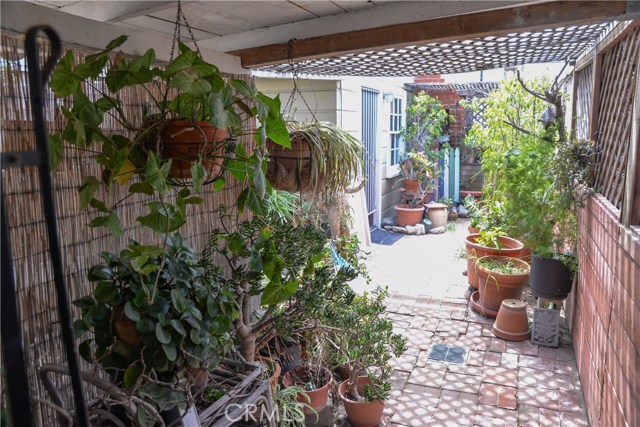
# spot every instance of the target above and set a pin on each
(13, 351)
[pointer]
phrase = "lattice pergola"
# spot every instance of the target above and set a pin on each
(557, 44)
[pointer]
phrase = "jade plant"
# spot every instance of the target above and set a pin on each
(187, 88)
(281, 274)
(365, 343)
(158, 317)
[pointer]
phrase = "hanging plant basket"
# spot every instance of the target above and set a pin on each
(186, 142)
(323, 159)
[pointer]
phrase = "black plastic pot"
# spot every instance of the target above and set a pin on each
(550, 278)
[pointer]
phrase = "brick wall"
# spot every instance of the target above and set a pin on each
(606, 316)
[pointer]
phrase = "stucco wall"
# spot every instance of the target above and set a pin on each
(606, 316)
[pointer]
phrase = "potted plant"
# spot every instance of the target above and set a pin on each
(488, 242)
(499, 278)
(365, 349)
(312, 375)
(322, 159)
(159, 319)
(476, 214)
(186, 132)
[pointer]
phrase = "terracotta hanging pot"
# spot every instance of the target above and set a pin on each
(409, 216)
(497, 284)
(510, 247)
(289, 169)
(411, 185)
(361, 414)
(512, 323)
(318, 397)
(185, 142)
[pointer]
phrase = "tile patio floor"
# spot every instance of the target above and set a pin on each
(500, 383)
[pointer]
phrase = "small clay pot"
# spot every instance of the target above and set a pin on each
(512, 323)
(361, 414)
(277, 369)
(473, 230)
(317, 398)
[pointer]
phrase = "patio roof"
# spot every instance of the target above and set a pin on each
(457, 56)
(466, 88)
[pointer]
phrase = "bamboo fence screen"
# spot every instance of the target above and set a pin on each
(619, 67)
(81, 245)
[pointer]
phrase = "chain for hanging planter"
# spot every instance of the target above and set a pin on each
(195, 147)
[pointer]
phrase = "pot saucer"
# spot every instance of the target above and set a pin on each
(477, 307)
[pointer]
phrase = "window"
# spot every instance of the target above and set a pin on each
(395, 117)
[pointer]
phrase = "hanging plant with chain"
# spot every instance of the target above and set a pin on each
(186, 136)
(322, 160)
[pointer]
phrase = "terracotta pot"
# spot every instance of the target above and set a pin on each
(473, 230)
(317, 398)
(437, 213)
(495, 286)
(361, 414)
(412, 185)
(525, 255)
(289, 169)
(277, 369)
(510, 247)
(185, 142)
(477, 307)
(550, 278)
(428, 197)
(409, 216)
(125, 328)
(512, 323)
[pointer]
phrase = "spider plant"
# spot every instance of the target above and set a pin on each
(337, 157)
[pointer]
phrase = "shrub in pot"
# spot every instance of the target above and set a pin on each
(158, 317)
(365, 348)
(488, 242)
(499, 278)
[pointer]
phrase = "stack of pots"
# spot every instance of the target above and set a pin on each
(510, 248)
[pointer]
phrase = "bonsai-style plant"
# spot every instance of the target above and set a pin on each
(322, 159)
(159, 319)
(365, 350)
(191, 107)
(427, 121)
(281, 275)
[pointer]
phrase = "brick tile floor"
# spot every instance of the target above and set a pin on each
(499, 383)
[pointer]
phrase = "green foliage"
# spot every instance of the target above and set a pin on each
(290, 408)
(490, 238)
(421, 166)
(535, 177)
(507, 266)
(367, 347)
(154, 313)
(426, 121)
(195, 91)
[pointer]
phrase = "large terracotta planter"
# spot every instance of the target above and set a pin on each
(495, 286)
(185, 142)
(409, 216)
(317, 398)
(550, 278)
(510, 247)
(289, 169)
(361, 414)
(437, 213)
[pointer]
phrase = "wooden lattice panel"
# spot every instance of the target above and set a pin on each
(619, 67)
(557, 44)
(584, 94)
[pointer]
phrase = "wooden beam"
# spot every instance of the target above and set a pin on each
(631, 204)
(478, 24)
(594, 111)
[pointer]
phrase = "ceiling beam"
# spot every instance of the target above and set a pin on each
(479, 24)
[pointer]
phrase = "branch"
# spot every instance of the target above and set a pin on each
(524, 86)
(516, 127)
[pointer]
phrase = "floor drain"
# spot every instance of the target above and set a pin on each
(446, 353)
